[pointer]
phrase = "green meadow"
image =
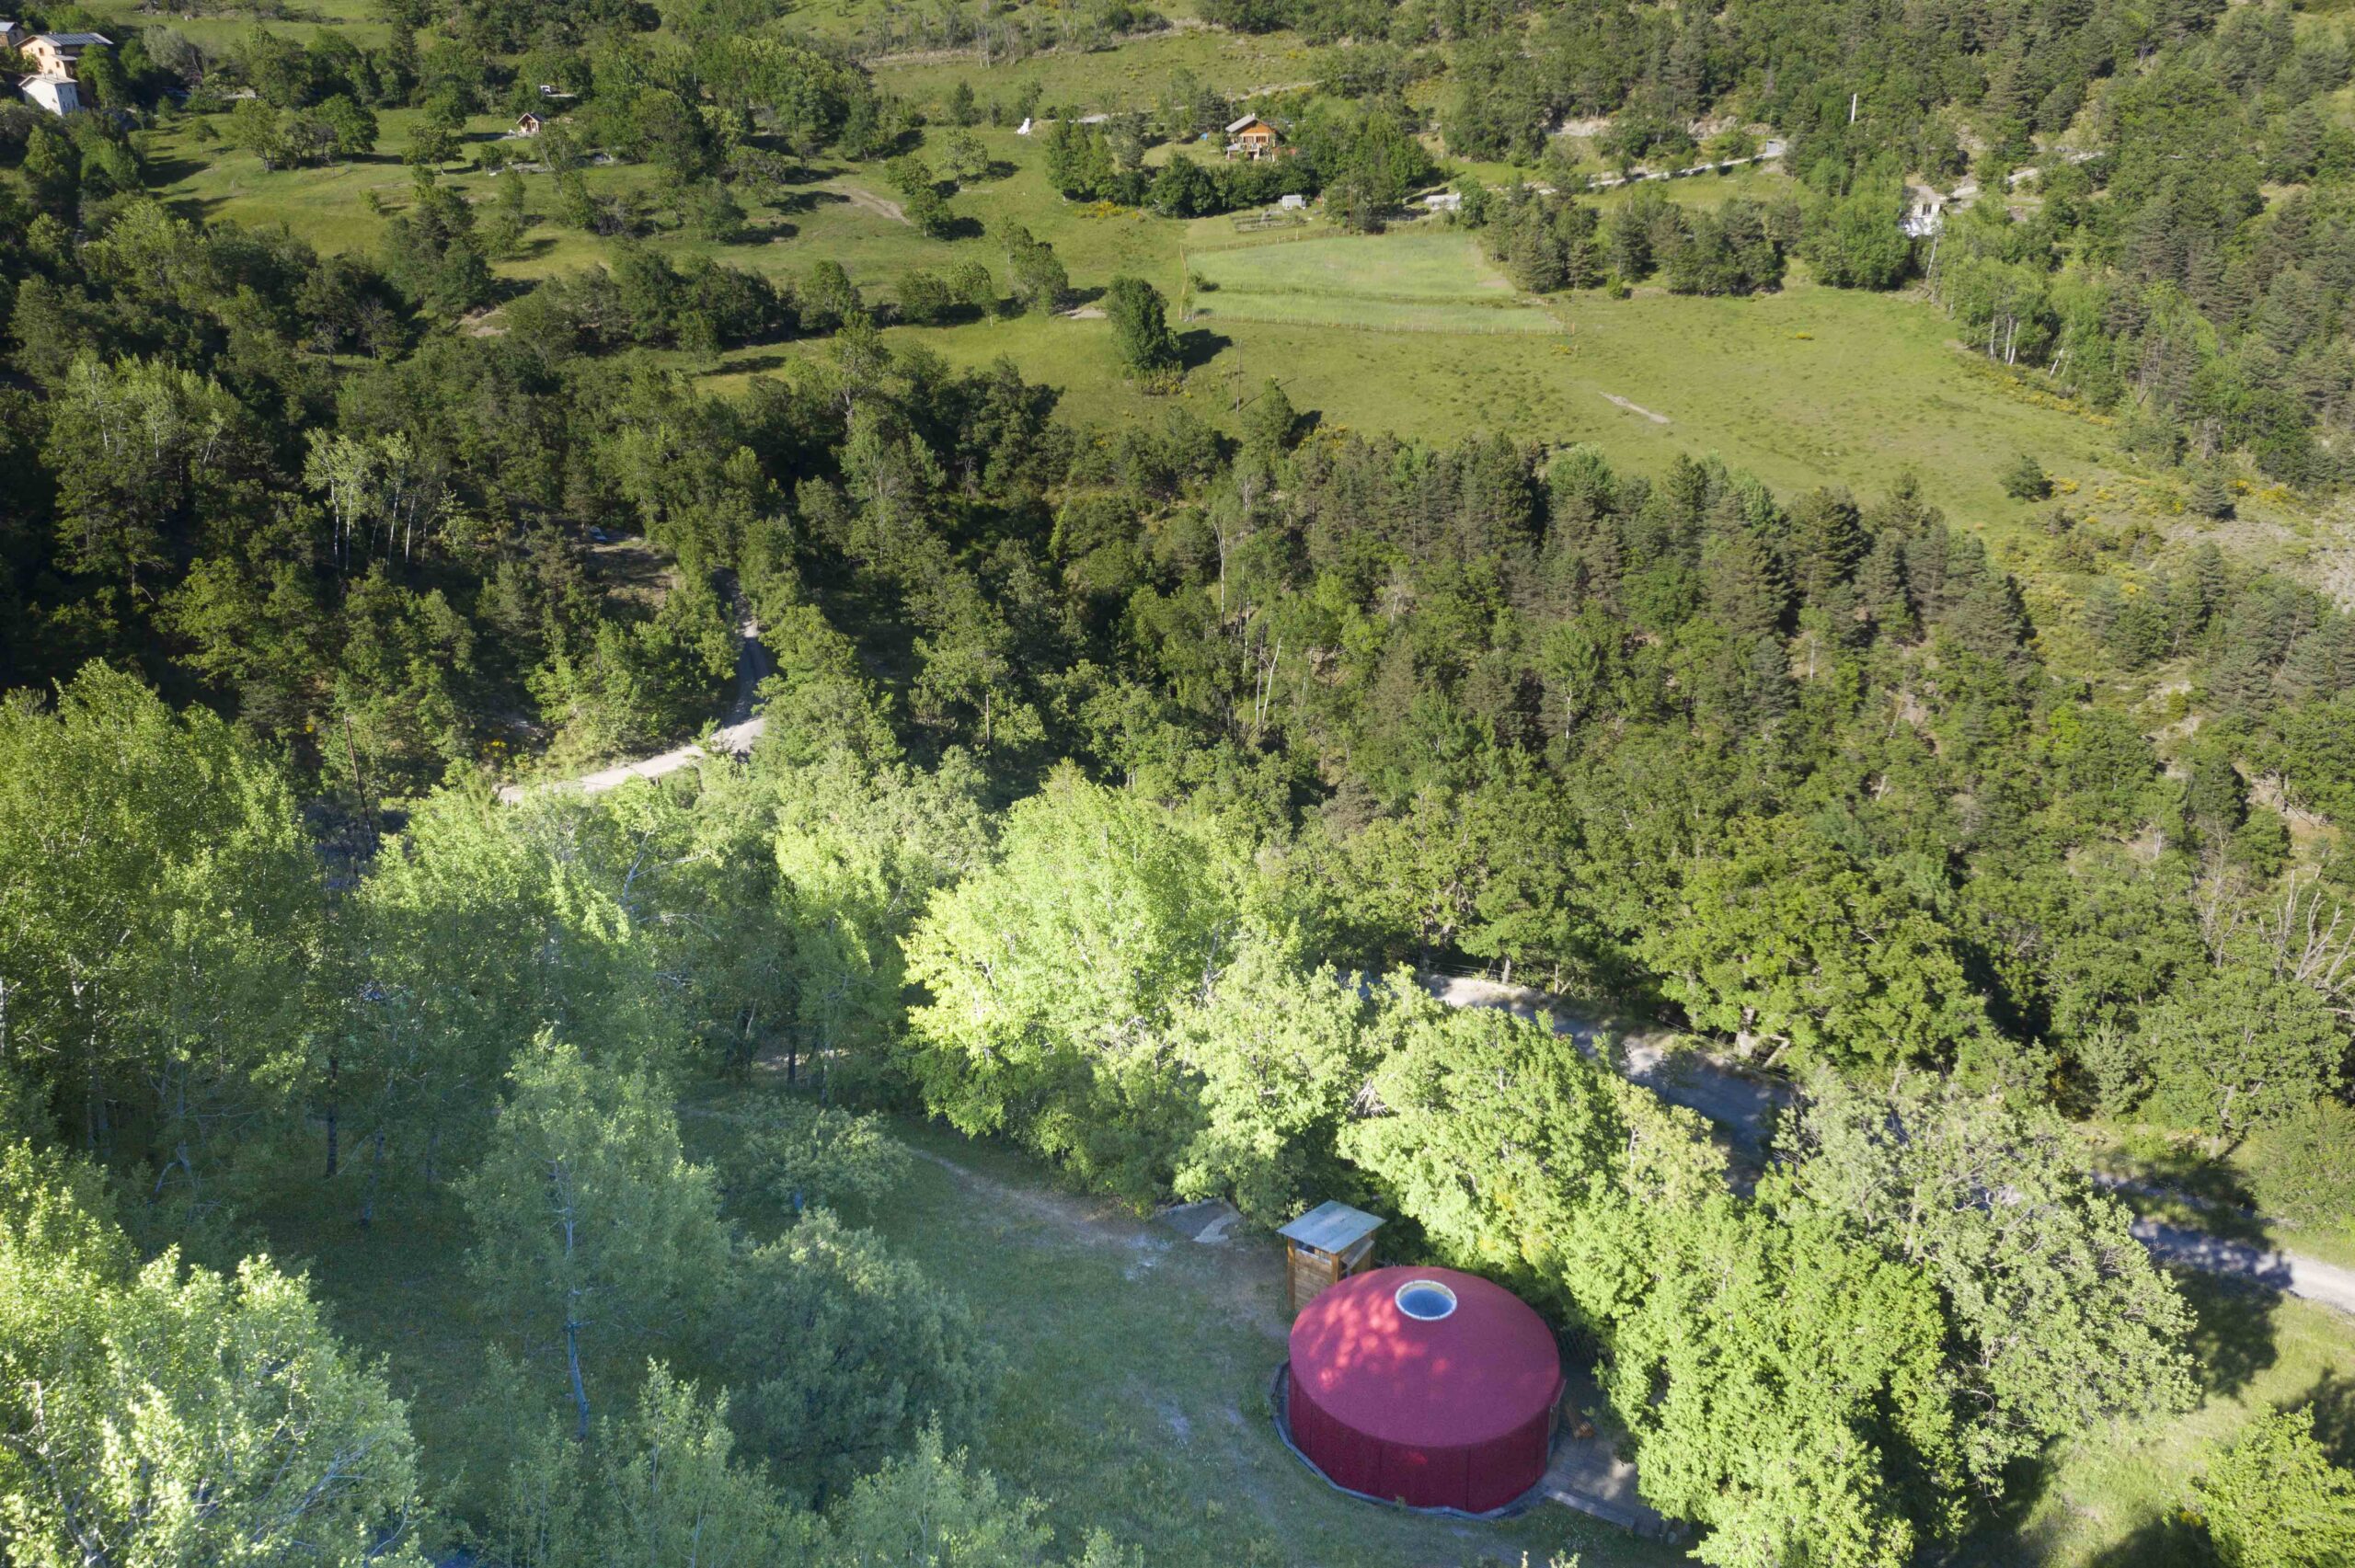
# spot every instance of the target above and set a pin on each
(1420, 282)
(2114, 1497)
(1412, 332)
(1134, 1397)
(222, 29)
(1133, 76)
(1137, 1363)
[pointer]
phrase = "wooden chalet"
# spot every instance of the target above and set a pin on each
(1251, 137)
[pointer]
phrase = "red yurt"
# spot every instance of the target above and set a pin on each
(1424, 1385)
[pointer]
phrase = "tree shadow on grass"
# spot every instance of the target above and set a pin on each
(2332, 1403)
(192, 209)
(808, 201)
(2223, 1197)
(735, 363)
(1200, 345)
(2232, 1333)
(171, 171)
(2008, 1541)
(2166, 1542)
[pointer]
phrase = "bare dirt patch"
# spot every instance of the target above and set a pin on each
(869, 201)
(1635, 409)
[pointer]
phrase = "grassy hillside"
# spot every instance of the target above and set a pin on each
(1138, 1364)
(1810, 385)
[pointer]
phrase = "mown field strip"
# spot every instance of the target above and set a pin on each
(1467, 321)
(1310, 291)
(1421, 282)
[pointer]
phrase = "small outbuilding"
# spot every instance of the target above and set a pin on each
(1925, 213)
(1324, 1247)
(1424, 1385)
(528, 125)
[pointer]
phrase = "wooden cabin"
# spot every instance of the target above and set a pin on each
(1324, 1247)
(1251, 137)
(528, 125)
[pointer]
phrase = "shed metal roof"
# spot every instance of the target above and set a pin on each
(1331, 1228)
(77, 40)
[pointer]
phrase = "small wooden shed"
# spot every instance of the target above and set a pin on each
(1324, 1247)
(527, 125)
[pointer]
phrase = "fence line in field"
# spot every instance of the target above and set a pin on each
(1308, 234)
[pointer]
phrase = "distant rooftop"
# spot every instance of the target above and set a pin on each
(77, 40)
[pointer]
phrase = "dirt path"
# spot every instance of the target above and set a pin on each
(1744, 1106)
(1153, 1250)
(1635, 409)
(733, 738)
(874, 204)
(1741, 1102)
(2309, 1279)
(1094, 1221)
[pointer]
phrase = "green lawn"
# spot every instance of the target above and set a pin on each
(327, 206)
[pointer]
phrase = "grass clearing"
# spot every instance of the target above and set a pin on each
(1137, 1362)
(1137, 1365)
(1416, 264)
(1133, 76)
(1136, 1391)
(225, 30)
(1434, 280)
(2179, 1181)
(2111, 1498)
(1807, 387)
